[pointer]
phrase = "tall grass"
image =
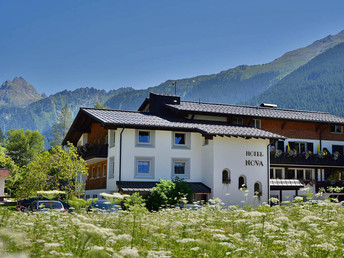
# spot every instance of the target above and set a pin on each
(295, 229)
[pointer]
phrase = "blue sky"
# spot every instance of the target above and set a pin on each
(107, 44)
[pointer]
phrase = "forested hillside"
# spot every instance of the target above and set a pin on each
(41, 114)
(233, 85)
(317, 85)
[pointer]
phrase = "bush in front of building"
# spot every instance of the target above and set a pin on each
(168, 193)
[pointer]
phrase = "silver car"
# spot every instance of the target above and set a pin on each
(46, 205)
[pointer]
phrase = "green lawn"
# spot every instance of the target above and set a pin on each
(296, 230)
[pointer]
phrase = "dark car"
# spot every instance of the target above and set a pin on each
(23, 205)
(46, 205)
(103, 206)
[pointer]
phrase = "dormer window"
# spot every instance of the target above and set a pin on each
(336, 129)
(256, 123)
(238, 121)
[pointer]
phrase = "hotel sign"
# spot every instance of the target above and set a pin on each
(252, 159)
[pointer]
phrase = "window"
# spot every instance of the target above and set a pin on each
(242, 182)
(238, 121)
(112, 138)
(336, 129)
(256, 123)
(144, 167)
(181, 167)
(337, 148)
(98, 171)
(226, 179)
(111, 167)
(277, 173)
(258, 189)
(290, 174)
(104, 170)
(95, 196)
(87, 196)
(144, 138)
(92, 174)
(181, 140)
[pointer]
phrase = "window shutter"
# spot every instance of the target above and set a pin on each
(310, 146)
(280, 145)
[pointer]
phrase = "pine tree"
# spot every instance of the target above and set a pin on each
(60, 128)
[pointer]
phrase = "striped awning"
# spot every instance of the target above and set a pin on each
(285, 184)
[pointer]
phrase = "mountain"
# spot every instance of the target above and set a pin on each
(41, 114)
(295, 80)
(234, 85)
(317, 85)
(18, 93)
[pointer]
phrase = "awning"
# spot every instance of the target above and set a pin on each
(146, 187)
(285, 184)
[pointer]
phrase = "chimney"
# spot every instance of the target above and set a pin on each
(157, 102)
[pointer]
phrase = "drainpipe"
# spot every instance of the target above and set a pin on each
(268, 169)
(120, 155)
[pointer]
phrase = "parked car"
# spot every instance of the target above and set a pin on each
(46, 205)
(103, 206)
(23, 204)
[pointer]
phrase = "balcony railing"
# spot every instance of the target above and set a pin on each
(90, 151)
(307, 159)
(327, 186)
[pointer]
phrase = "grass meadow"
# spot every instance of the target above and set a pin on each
(290, 230)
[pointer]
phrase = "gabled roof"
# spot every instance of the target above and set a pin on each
(258, 112)
(134, 119)
(141, 120)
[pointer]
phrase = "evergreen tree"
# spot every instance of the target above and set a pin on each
(61, 127)
(2, 139)
(99, 105)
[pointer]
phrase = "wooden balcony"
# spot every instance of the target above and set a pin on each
(304, 159)
(90, 151)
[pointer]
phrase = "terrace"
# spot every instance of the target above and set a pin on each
(293, 158)
(90, 151)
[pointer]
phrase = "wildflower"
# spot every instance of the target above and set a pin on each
(186, 240)
(127, 251)
(220, 237)
(195, 248)
(325, 247)
(159, 254)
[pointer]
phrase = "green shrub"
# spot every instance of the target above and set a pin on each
(168, 193)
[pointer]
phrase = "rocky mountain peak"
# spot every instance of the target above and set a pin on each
(18, 92)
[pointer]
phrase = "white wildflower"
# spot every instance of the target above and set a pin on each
(220, 237)
(127, 251)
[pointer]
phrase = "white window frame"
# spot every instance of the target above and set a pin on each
(238, 121)
(336, 127)
(112, 140)
(274, 172)
(104, 170)
(98, 171)
(257, 123)
(186, 161)
(187, 140)
(150, 161)
(92, 172)
(111, 166)
(145, 144)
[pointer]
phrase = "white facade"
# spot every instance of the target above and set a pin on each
(205, 161)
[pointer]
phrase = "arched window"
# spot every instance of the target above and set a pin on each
(226, 176)
(258, 189)
(242, 182)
